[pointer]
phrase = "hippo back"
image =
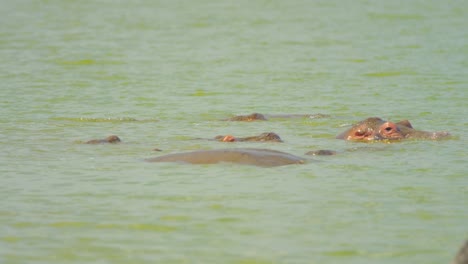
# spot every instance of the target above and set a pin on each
(246, 156)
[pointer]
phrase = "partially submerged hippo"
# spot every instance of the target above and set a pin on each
(109, 139)
(374, 128)
(248, 118)
(310, 116)
(267, 136)
(261, 117)
(321, 152)
(245, 156)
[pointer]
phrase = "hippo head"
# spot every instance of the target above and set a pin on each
(364, 130)
(227, 138)
(248, 118)
(375, 128)
(256, 116)
(109, 139)
(389, 130)
(268, 136)
(113, 139)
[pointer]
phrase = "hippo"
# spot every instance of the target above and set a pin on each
(321, 152)
(248, 118)
(261, 117)
(462, 255)
(374, 128)
(244, 156)
(267, 136)
(109, 139)
(310, 116)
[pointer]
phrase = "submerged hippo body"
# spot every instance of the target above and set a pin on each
(262, 117)
(264, 137)
(311, 116)
(321, 152)
(245, 156)
(374, 128)
(109, 139)
(248, 118)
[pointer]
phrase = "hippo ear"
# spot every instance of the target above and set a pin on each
(405, 123)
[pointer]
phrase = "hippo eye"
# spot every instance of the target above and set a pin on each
(390, 130)
(359, 133)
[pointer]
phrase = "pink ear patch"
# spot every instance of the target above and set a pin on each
(229, 138)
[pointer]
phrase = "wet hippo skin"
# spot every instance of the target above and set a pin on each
(262, 117)
(321, 152)
(248, 118)
(245, 156)
(109, 139)
(374, 128)
(267, 136)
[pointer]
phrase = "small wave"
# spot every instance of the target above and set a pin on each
(103, 119)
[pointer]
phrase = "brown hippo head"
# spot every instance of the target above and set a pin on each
(364, 130)
(227, 138)
(248, 118)
(322, 152)
(374, 128)
(109, 139)
(268, 136)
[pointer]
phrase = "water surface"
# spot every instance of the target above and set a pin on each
(159, 73)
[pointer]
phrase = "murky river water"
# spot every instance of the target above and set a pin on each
(160, 73)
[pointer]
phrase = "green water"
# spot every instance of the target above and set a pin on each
(159, 73)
